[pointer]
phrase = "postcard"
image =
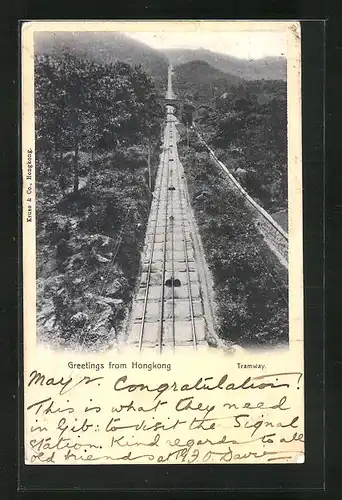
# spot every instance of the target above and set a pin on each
(162, 242)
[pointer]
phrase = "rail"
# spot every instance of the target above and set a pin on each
(149, 269)
(164, 215)
(191, 305)
(162, 298)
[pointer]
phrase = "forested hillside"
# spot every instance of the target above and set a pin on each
(199, 82)
(105, 48)
(96, 127)
(245, 122)
(250, 285)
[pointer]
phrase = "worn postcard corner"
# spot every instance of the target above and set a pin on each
(162, 242)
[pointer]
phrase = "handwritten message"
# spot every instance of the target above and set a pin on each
(160, 417)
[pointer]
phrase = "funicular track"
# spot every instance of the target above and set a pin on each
(171, 309)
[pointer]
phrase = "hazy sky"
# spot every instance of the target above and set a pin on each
(247, 45)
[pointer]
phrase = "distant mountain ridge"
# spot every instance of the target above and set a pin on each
(203, 72)
(104, 47)
(268, 68)
(108, 47)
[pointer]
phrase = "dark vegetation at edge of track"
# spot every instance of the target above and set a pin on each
(250, 285)
(94, 126)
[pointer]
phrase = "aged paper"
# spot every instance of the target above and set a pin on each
(139, 346)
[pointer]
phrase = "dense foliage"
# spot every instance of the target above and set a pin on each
(97, 130)
(104, 47)
(250, 286)
(248, 127)
(246, 124)
(85, 106)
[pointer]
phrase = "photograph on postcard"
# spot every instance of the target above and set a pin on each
(162, 224)
(161, 181)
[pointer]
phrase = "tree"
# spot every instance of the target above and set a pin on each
(65, 118)
(81, 106)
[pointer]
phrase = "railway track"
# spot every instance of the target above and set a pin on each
(171, 308)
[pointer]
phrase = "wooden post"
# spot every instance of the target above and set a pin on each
(76, 166)
(91, 169)
(187, 134)
(62, 182)
(149, 166)
(61, 160)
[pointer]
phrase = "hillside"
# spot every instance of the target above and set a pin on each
(198, 81)
(246, 127)
(105, 48)
(249, 285)
(269, 68)
(244, 121)
(96, 126)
